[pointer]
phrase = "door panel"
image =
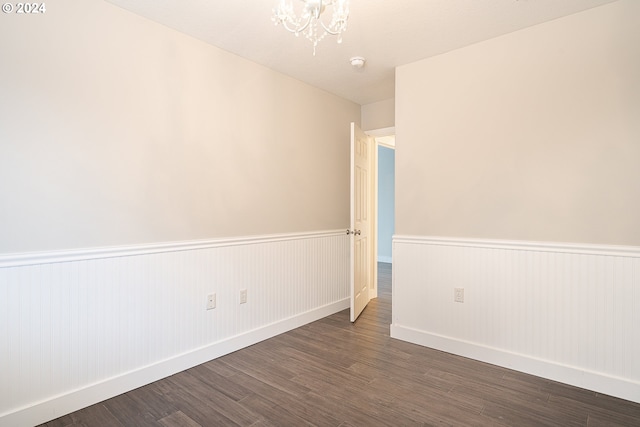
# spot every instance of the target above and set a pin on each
(360, 255)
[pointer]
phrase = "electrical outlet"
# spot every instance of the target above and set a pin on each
(211, 301)
(458, 294)
(243, 296)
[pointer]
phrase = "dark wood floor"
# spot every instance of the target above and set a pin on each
(334, 373)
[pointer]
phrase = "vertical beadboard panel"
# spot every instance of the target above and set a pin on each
(69, 325)
(568, 313)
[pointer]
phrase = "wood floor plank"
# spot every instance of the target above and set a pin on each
(94, 415)
(227, 407)
(498, 394)
(274, 415)
(531, 415)
(128, 412)
(344, 410)
(64, 421)
(313, 414)
(439, 411)
(336, 373)
(220, 368)
(599, 411)
(151, 399)
(181, 392)
(611, 420)
(178, 419)
(225, 385)
(275, 394)
(267, 376)
(304, 363)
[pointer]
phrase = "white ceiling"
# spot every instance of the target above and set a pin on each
(388, 33)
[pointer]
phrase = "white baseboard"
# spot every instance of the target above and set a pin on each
(72, 401)
(613, 386)
(386, 259)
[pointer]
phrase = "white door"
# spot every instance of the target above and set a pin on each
(360, 253)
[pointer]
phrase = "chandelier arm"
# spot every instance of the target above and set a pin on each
(333, 33)
(297, 29)
(286, 27)
(304, 27)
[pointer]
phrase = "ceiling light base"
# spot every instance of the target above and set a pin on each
(357, 62)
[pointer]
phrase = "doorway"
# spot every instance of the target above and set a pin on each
(385, 215)
(383, 202)
(368, 149)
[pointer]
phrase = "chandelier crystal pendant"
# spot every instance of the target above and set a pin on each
(308, 20)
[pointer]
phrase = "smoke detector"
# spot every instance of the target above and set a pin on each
(357, 62)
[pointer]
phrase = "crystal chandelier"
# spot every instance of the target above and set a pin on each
(308, 22)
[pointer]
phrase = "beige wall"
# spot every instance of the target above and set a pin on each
(534, 135)
(116, 130)
(378, 115)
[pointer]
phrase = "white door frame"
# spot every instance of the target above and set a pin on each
(376, 134)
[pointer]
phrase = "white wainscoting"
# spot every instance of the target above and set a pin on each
(79, 327)
(565, 312)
